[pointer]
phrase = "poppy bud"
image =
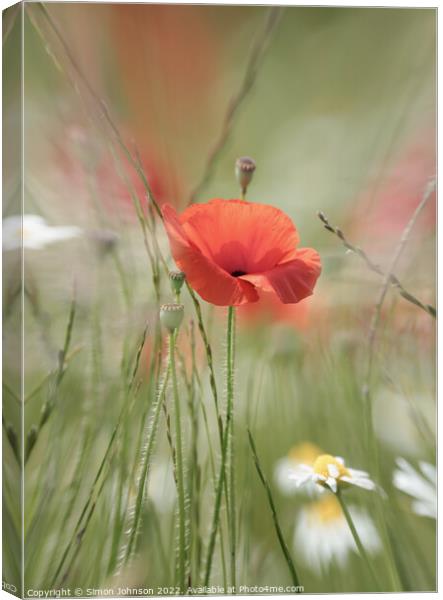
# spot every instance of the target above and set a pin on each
(177, 279)
(244, 170)
(171, 315)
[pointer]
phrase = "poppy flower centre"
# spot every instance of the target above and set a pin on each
(238, 273)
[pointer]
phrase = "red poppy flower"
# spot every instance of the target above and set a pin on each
(231, 249)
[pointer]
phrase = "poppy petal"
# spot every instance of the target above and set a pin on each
(291, 281)
(244, 236)
(210, 281)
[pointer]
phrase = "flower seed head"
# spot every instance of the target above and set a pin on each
(244, 170)
(171, 315)
(177, 279)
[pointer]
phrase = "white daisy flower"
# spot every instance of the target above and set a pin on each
(304, 453)
(420, 485)
(322, 536)
(32, 231)
(330, 472)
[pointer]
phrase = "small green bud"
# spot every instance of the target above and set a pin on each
(171, 315)
(177, 279)
(244, 170)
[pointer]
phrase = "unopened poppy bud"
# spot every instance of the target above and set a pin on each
(171, 315)
(244, 170)
(177, 279)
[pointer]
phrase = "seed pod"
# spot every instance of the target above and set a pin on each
(171, 315)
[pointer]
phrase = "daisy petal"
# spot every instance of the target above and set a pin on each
(332, 483)
(333, 470)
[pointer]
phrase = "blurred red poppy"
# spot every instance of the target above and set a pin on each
(386, 206)
(232, 249)
(79, 156)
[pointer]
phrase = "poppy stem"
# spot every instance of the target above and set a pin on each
(226, 439)
(180, 469)
(357, 539)
(230, 433)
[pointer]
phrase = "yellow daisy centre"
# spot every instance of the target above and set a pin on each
(304, 453)
(321, 466)
(325, 510)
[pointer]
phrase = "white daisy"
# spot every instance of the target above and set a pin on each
(420, 485)
(330, 472)
(322, 536)
(304, 453)
(32, 231)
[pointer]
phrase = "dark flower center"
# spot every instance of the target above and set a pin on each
(238, 273)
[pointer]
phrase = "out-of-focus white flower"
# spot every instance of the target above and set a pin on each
(420, 485)
(33, 232)
(330, 472)
(161, 486)
(304, 453)
(322, 536)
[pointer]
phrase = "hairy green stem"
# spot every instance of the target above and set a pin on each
(225, 446)
(146, 464)
(230, 434)
(180, 469)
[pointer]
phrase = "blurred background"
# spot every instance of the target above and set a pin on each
(340, 118)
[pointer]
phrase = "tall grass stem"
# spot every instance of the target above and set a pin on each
(281, 539)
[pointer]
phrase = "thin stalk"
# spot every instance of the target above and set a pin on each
(371, 440)
(392, 278)
(281, 539)
(357, 539)
(194, 472)
(225, 445)
(38, 388)
(95, 491)
(102, 108)
(230, 433)
(212, 383)
(170, 441)
(58, 375)
(209, 358)
(145, 464)
(252, 67)
(180, 468)
(216, 486)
